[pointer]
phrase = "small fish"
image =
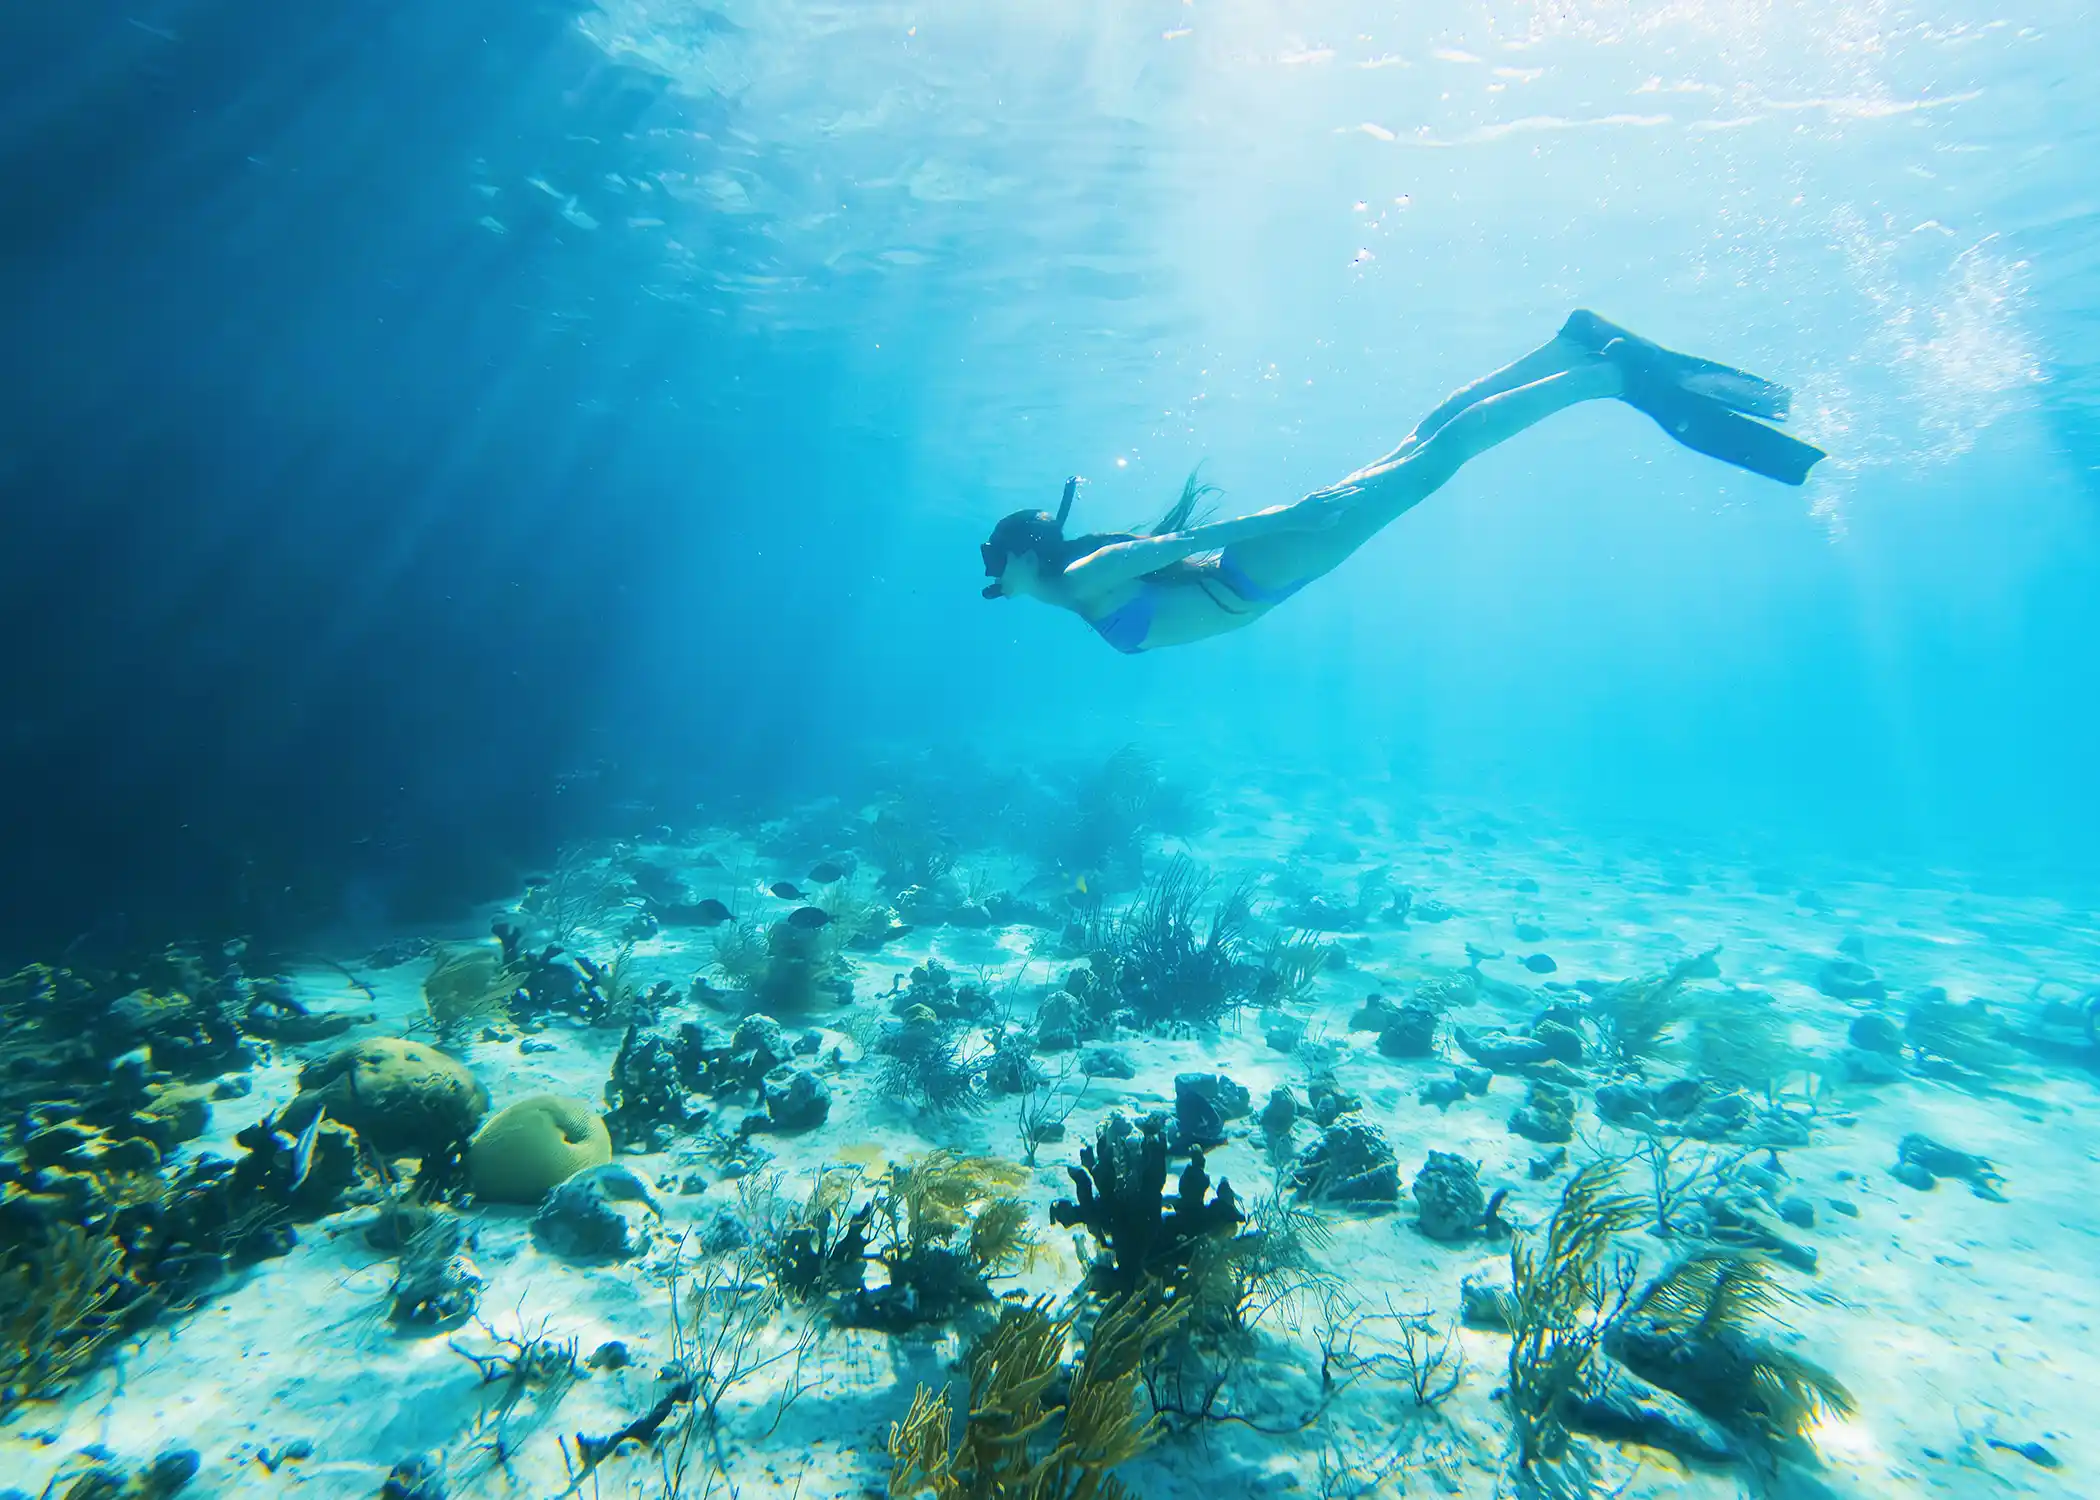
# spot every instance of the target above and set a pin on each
(1704, 966)
(2034, 1453)
(710, 913)
(303, 1149)
(810, 918)
(1539, 963)
(786, 890)
(1529, 932)
(826, 874)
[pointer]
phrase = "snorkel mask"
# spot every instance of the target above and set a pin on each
(1022, 531)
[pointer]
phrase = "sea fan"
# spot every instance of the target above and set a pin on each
(1692, 1330)
(467, 985)
(60, 1308)
(1015, 1444)
(1635, 1018)
(1565, 1295)
(1964, 1037)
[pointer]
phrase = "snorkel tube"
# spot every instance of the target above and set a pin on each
(996, 552)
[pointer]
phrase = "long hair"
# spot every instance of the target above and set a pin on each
(1040, 532)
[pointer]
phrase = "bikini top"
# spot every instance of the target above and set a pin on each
(1127, 626)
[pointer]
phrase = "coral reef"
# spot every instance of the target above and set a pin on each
(788, 970)
(1352, 1165)
(1502, 1051)
(1203, 1103)
(1739, 1039)
(1959, 1042)
(941, 1226)
(469, 985)
(646, 1092)
(933, 987)
(1921, 1161)
(103, 1478)
(938, 1228)
(62, 1304)
(791, 1099)
(816, 1248)
(1405, 1029)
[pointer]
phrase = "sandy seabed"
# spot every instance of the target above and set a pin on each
(1959, 1324)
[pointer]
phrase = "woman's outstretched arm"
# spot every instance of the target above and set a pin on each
(1125, 562)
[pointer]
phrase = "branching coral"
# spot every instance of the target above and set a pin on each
(740, 955)
(941, 1226)
(1679, 1176)
(1741, 1038)
(1692, 1331)
(1017, 1444)
(1290, 965)
(468, 985)
(1120, 1198)
(583, 892)
(1565, 1294)
(1169, 965)
(911, 851)
(938, 1227)
(61, 1305)
(524, 1378)
(1634, 1019)
(924, 1062)
(785, 969)
(814, 1248)
(1098, 823)
(1236, 1280)
(1958, 1040)
(858, 919)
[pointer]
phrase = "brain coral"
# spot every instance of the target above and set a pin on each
(534, 1145)
(403, 1097)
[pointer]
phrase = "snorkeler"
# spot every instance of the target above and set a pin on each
(1180, 583)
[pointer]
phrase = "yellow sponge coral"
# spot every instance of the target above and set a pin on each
(533, 1146)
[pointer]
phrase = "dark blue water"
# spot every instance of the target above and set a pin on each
(437, 431)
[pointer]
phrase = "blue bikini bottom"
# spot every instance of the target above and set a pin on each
(1126, 628)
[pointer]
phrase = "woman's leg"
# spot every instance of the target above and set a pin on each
(1328, 525)
(1553, 357)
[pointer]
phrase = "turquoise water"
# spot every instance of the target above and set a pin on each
(493, 520)
(1119, 243)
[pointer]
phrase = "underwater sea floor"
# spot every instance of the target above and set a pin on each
(1964, 1324)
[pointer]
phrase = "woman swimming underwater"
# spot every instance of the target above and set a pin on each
(1183, 583)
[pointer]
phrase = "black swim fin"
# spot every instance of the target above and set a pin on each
(1704, 405)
